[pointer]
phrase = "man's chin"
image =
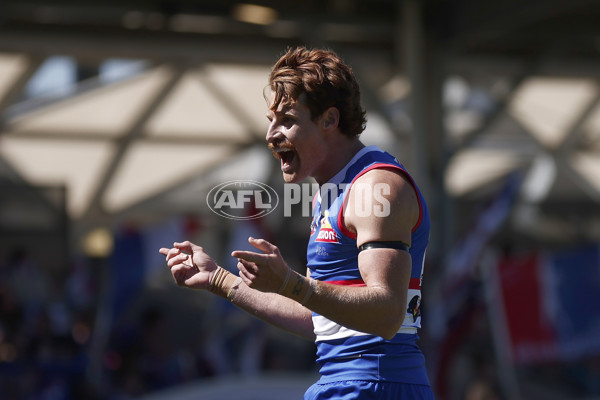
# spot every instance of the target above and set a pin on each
(288, 178)
(291, 177)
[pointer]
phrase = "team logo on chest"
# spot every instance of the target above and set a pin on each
(326, 233)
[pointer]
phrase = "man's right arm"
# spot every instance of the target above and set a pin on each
(191, 267)
(275, 309)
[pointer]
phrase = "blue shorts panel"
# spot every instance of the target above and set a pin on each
(368, 390)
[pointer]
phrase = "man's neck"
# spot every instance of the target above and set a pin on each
(340, 155)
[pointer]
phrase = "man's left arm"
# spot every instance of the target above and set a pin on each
(379, 307)
(381, 207)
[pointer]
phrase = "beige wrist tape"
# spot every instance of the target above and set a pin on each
(222, 282)
(216, 280)
(233, 289)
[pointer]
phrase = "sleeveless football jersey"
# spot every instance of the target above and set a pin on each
(333, 257)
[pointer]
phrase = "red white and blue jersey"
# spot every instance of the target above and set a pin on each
(333, 257)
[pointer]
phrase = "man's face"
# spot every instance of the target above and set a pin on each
(296, 140)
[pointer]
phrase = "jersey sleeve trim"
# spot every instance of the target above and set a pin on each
(340, 218)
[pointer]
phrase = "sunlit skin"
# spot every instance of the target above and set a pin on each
(308, 147)
(351, 298)
(316, 148)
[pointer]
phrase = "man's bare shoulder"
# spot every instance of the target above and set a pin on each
(382, 205)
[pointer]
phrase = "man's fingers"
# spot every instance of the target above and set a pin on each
(178, 259)
(187, 245)
(249, 256)
(248, 272)
(178, 272)
(262, 244)
(169, 253)
(246, 266)
(246, 278)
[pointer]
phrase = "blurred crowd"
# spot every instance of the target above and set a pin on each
(51, 347)
(45, 327)
(57, 342)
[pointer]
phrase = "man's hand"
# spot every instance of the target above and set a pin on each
(190, 265)
(265, 272)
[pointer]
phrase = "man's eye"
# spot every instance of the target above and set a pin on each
(287, 122)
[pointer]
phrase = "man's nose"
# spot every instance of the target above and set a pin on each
(271, 133)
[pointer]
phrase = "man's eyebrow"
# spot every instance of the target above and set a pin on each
(287, 111)
(284, 110)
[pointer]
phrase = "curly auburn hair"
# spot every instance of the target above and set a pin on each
(327, 82)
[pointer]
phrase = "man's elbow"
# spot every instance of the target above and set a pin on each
(389, 332)
(390, 326)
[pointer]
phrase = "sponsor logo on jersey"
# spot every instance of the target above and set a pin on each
(326, 233)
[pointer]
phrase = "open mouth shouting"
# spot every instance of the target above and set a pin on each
(286, 153)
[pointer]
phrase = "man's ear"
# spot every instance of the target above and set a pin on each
(330, 118)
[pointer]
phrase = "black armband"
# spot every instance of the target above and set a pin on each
(398, 245)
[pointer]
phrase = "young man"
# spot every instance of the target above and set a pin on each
(360, 297)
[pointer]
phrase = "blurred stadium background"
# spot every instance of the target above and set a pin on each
(117, 117)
